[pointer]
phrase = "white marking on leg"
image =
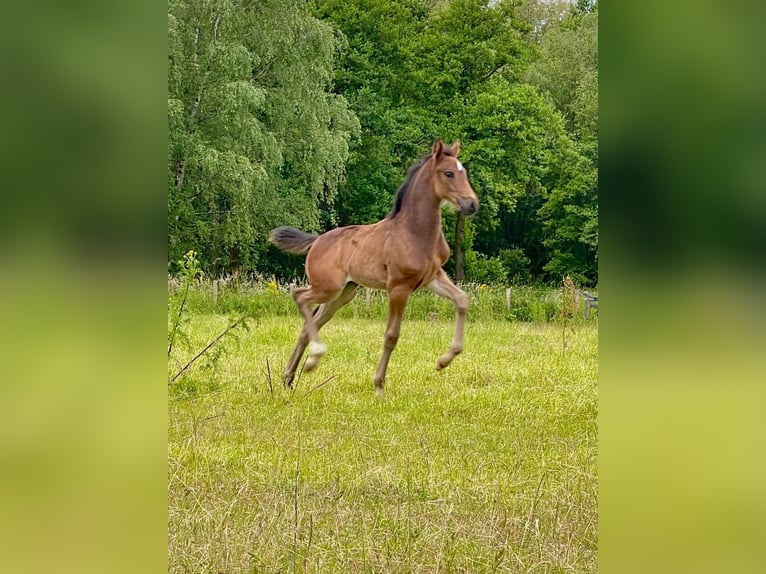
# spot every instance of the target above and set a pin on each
(317, 348)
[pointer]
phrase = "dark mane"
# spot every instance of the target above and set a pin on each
(402, 191)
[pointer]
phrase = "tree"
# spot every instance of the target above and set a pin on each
(411, 70)
(375, 73)
(567, 73)
(514, 135)
(570, 216)
(255, 137)
(542, 13)
(283, 116)
(567, 70)
(468, 45)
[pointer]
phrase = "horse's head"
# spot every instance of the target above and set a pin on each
(451, 180)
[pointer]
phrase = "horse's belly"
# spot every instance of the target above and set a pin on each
(366, 278)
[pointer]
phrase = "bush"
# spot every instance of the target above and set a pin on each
(517, 266)
(483, 269)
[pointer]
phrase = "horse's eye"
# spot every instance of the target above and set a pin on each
(449, 174)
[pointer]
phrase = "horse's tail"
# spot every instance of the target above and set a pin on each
(292, 240)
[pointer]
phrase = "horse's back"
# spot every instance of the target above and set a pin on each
(372, 256)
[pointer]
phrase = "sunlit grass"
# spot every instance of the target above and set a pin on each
(487, 466)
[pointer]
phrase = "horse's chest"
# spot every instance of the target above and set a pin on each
(418, 270)
(442, 252)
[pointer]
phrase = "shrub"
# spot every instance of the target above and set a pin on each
(517, 266)
(483, 269)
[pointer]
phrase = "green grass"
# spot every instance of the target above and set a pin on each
(487, 466)
(488, 302)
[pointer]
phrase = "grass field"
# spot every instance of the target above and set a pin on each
(488, 466)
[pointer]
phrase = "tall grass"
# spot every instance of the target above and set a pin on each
(487, 466)
(238, 295)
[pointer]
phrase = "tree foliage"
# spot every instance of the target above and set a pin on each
(256, 139)
(567, 73)
(309, 114)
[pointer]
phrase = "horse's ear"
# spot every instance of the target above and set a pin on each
(437, 148)
(455, 148)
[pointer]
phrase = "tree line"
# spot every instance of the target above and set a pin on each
(308, 113)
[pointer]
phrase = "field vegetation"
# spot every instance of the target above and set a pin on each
(488, 466)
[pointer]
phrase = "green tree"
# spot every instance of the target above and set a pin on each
(570, 216)
(375, 73)
(567, 70)
(538, 187)
(468, 48)
(542, 13)
(411, 70)
(567, 73)
(514, 135)
(256, 138)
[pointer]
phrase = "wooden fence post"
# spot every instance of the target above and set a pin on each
(508, 298)
(590, 302)
(215, 291)
(576, 300)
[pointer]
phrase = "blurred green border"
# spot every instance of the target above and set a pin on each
(83, 287)
(683, 226)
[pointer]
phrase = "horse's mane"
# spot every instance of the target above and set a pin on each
(404, 188)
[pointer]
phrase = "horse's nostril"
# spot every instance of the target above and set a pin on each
(468, 206)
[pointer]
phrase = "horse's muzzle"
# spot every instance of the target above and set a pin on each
(468, 206)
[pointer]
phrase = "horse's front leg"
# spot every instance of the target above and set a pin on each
(397, 301)
(443, 287)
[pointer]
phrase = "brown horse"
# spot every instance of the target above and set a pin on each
(401, 253)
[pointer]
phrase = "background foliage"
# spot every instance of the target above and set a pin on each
(287, 112)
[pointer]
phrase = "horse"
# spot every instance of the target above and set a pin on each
(401, 253)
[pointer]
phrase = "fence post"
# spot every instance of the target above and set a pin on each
(576, 300)
(215, 291)
(508, 298)
(367, 295)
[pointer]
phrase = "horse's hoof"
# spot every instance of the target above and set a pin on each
(441, 363)
(311, 363)
(380, 386)
(317, 350)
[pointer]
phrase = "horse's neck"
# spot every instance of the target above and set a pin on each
(421, 212)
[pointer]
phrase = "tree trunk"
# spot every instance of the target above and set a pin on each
(459, 255)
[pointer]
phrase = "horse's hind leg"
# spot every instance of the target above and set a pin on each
(295, 358)
(445, 288)
(320, 316)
